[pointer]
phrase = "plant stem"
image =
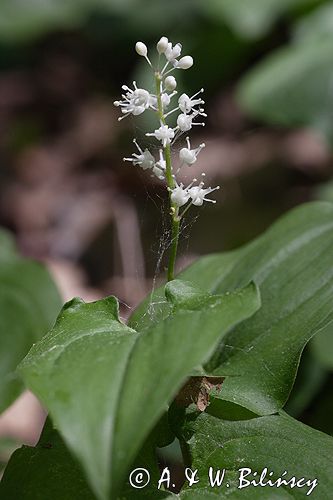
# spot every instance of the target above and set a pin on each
(175, 220)
(174, 246)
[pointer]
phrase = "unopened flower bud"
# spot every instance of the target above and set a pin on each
(185, 62)
(170, 83)
(141, 49)
(162, 45)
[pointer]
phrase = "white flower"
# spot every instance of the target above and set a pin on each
(145, 159)
(165, 98)
(185, 122)
(160, 167)
(172, 52)
(170, 83)
(198, 194)
(134, 102)
(141, 49)
(163, 134)
(162, 45)
(184, 63)
(188, 155)
(179, 195)
(186, 103)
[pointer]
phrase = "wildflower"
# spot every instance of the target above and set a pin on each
(162, 45)
(186, 103)
(134, 102)
(172, 52)
(198, 194)
(145, 159)
(185, 121)
(164, 134)
(188, 155)
(180, 194)
(160, 167)
(184, 63)
(170, 83)
(142, 50)
(165, 99)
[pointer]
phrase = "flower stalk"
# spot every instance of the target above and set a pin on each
(174, 210)
(135, 102)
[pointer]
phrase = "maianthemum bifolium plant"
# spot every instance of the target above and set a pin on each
(209, 359)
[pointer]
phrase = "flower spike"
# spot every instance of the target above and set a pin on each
(136, 101)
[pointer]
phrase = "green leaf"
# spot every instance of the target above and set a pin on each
(167, 353)
(292, 87)
(250, 19)
(318, 24)
(310, 379)
(29, 303)
(155, 307)
(322, 347)
(46, 471)
(292, 263)
(278, 443)
(106, 386)
(185, 295)
(76, 370)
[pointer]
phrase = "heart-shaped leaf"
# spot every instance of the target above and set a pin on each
(278, 443)
(293, 264)
(106, 386)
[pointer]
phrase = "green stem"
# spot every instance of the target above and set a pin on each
(175, 220)
(174, 246)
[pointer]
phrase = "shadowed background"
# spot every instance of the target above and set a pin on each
(99, 224)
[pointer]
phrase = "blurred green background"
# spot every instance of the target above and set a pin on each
(267, 70)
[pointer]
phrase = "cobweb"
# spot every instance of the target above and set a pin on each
(163, 239)
(159, 250)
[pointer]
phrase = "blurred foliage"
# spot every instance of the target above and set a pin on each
(29, 303)
(22, 19)
(251, 19)
(316, 25)
(293, 87)
(277, 53)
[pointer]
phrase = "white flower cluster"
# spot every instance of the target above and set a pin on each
(137, 100)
